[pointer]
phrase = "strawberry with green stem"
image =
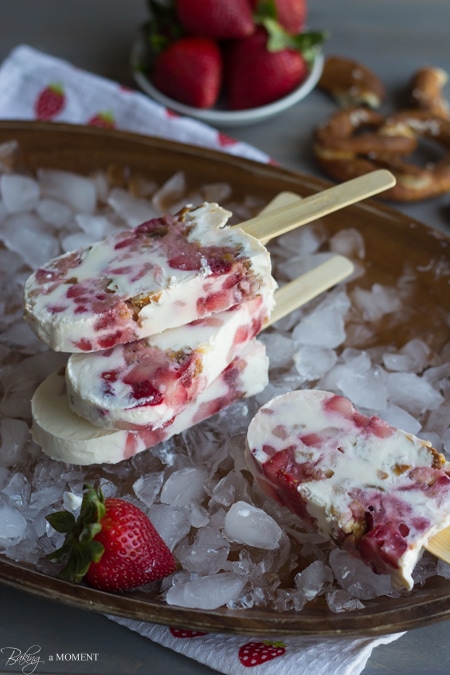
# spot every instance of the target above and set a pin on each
(290, 14)
(267, 65)
(112, 545)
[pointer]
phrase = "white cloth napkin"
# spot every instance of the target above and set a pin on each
(78, 97)
(236, 655)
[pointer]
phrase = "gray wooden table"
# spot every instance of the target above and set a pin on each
(393, 37)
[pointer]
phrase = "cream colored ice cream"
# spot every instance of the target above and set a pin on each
(164, 273)
(375, 490)
(146, 383)
(65, 436)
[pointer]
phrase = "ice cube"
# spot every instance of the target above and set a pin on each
(366, 389)
(313, 362)
(216, 192)
(356, 578)
(96, 226)
(133, 210)
(412, 357)
(280, 349)
(54, 212)
(348, 242)
(146, 488)
(377, 302)
(412, 392)
(247, 524)
(399, 418)
(24, 234)
(18, 490)
(19, 193)
(12, 523)
(342, 601)
(297, 265)
(314, 579)
(184, 486)
(14, 436)
(173, 523)
(208, 592)
(76, 240)
(207, 555)
(170, 193)
(75, 190)
(324, 326)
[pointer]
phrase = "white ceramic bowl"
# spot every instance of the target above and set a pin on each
(217, 116)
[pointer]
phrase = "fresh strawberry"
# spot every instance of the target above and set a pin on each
(49, 102)
(105, 120)
(255, 76)
(255, 653)
(189, 70)
(217, 20)
(290, 14)
(112, 545)
(267, 65)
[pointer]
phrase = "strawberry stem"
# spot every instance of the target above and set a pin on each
(305, 42)
(80, 548)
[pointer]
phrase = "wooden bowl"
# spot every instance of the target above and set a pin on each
(391, 240)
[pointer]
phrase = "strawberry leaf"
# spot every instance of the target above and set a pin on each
(62, 521)
(162, 27)
(265, 9)
(309, 43)
(80, 548)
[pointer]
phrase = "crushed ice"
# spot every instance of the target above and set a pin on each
(235, 547)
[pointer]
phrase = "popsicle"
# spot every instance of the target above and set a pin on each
(146, 383)
(377, 491)
(168, 271)
(164, 273)
(65, 436)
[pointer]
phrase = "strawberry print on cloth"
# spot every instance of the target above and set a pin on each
(35, 85)
(104, 119)
(255, 653)
(240, 655)
(49, 102)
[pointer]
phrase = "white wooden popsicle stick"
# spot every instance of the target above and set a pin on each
(439, 545)
(298, 292)
(274, 222)
(309, 285)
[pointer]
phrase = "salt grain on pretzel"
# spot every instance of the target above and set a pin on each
(354, 131)
(426, 91)
(351, 83)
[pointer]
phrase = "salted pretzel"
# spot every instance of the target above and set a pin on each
(358, 140)
(426, 91)
(351, 83)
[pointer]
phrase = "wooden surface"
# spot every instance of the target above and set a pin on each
(393, 37)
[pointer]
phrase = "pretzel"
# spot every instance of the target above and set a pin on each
(354, 131)
(351, 83)
(426, 91)
(344, 153)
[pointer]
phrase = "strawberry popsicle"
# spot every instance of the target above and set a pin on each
(377, 491)
(164, 273)
(65, 436)
(146, 383)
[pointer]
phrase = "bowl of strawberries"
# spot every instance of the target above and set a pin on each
(227, 63)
